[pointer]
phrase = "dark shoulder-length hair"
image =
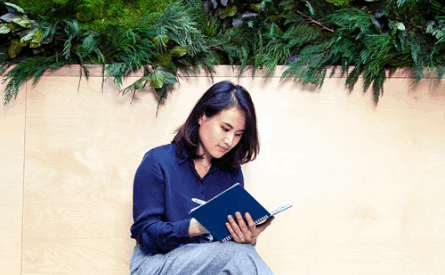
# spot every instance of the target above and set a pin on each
(221, 96)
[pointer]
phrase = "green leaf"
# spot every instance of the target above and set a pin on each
(255, 7)
(157, 40)
(38, 36)
(178, 51)
(27, 38)
(400, 26)
(393, 31)
(429, 28)
(157, 79)
(13, 27)
(4, 28)
(228, 11)
(165, 59)
(10, 16)
(23, 22)
(19, 9)
(14, 48)
(311, 9)
(169, 78)
(33, 45)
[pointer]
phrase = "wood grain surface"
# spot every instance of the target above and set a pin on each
(12, 136)
(367, 182)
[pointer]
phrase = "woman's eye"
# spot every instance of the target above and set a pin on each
(225, 129)
(238, 135)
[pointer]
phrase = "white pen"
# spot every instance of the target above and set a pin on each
(198, 201)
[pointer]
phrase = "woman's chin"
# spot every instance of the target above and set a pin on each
(218, 155)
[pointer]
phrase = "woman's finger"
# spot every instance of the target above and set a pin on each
(249, 235)
(232, 233)
(250, 223)
(236, 230)
(242, 225)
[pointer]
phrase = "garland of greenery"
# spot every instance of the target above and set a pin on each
(368, 38)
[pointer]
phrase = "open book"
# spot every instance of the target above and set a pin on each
(213, 213)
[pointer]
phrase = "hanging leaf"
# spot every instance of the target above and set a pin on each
(430, 28)
(237, 22)
(157, 40)
(228, 11)
(10, 16)
(157, 79)
(178, 51)
(311, 9)
(17, 8)
(14, 27)
(14, 48)
(27, 38)
(22, 22)
(214, 4)
(164, 59)
(255, 7)
(400, 26)
(4, 28)
(393, 31)
(169, 78)
(38, 36)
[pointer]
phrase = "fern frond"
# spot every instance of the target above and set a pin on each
(351, 20)
(26, 69)
(177, 22)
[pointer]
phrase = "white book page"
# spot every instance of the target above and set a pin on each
(281, 207)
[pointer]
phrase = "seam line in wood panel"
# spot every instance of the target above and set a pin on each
(23, 179)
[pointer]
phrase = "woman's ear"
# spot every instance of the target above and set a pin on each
(202, 119)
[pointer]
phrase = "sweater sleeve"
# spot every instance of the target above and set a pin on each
(150, 229)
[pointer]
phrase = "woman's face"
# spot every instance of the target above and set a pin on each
(220, 133)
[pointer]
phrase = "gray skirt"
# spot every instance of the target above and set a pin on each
(200, 259)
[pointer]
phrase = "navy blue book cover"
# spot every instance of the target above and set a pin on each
(213, 214)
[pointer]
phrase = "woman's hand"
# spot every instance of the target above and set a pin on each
(243, 233)
(196, 229)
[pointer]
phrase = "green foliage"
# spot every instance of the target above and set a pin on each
(88, 10)
(340, 3)
(94, 14)
(21, 32)
(366, 39)
(32, 67)
(35, 7)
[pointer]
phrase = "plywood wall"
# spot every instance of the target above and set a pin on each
(12, 136)
(367, 182)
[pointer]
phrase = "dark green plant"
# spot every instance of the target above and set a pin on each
(19, 31)
(368, 39)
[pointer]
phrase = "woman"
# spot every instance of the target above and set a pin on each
(203, 160)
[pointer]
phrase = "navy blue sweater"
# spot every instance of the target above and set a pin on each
(164, 185)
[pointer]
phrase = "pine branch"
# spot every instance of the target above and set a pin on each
(311, 20)
(28, 68)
